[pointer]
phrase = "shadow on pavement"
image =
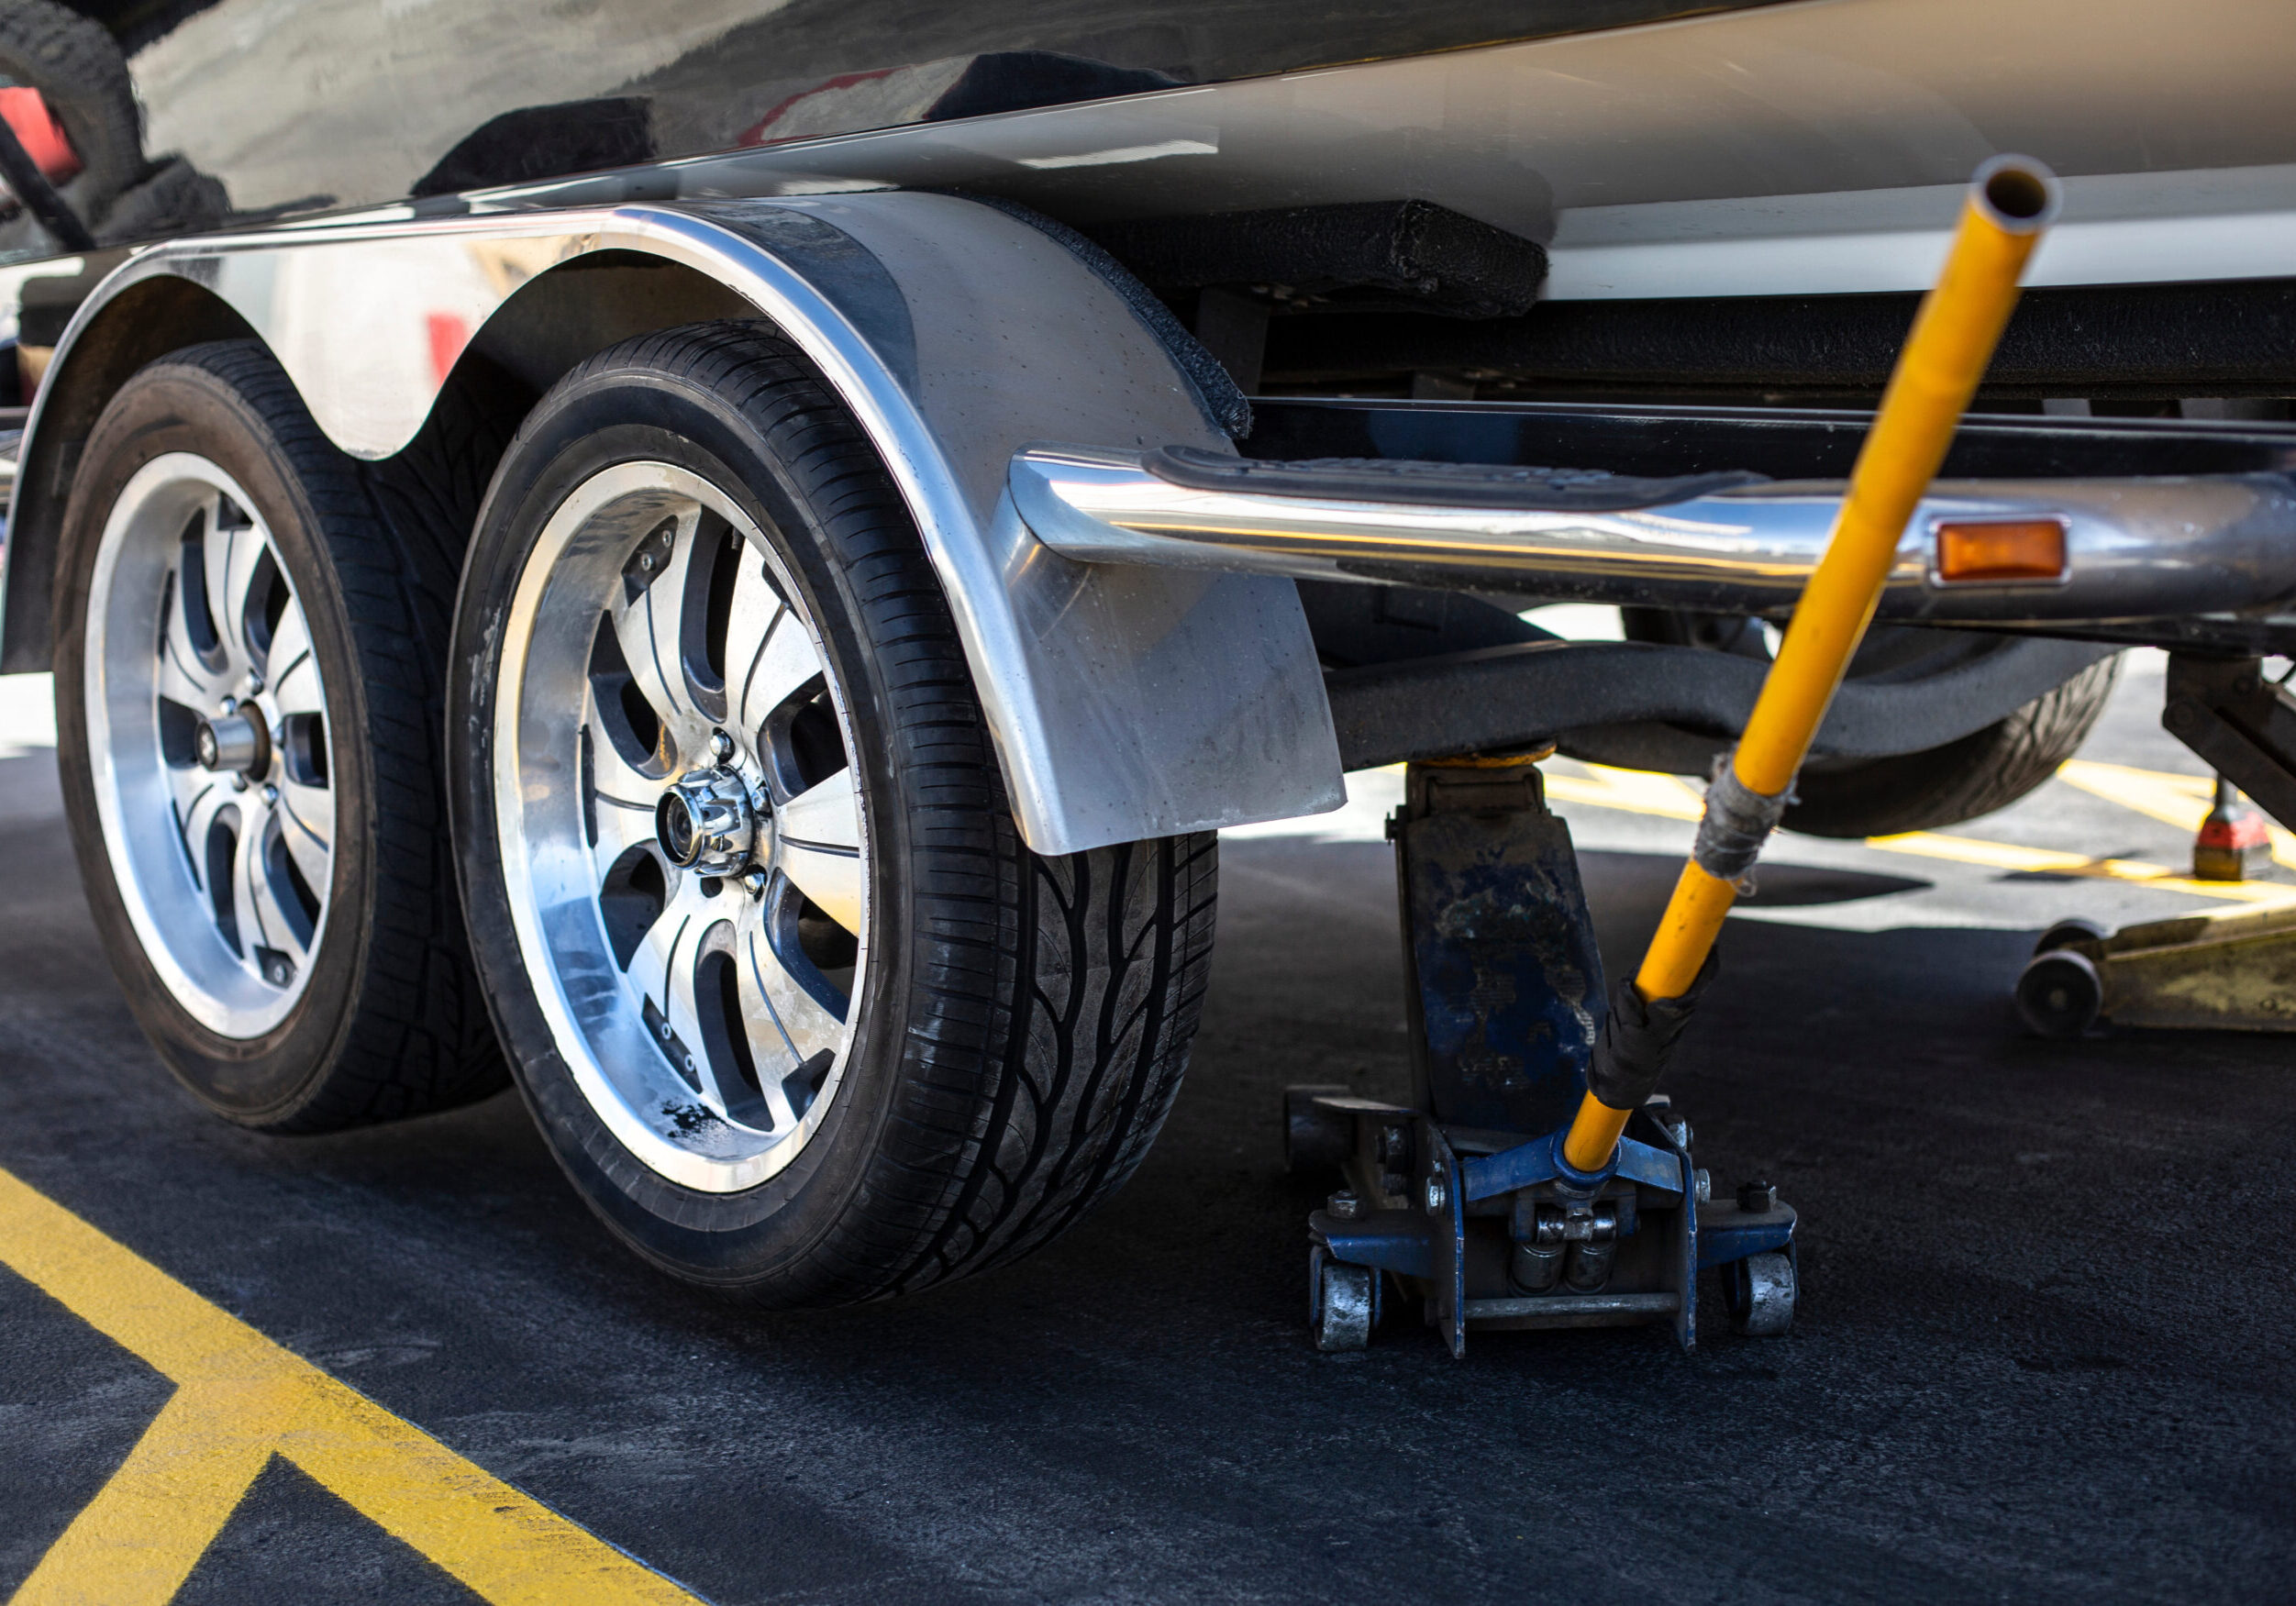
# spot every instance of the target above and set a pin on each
(2044, 1347)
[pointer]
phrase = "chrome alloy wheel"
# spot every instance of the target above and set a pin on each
(208, 739)
(681, 843)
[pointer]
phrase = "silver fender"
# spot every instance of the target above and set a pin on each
(1125, 703)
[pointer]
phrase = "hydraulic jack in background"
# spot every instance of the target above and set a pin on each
(1462, 1200)
(2226, 970)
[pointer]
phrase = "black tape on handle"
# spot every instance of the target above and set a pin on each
(1637, 1039)
(1735, 823)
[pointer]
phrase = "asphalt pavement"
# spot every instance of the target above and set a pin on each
(2043, 1353)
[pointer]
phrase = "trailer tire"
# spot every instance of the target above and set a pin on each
(77, 67)
(976, 1043)
(366, 1008)
(1986, 770)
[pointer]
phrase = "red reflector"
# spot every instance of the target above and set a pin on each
(1976, 552)
(36, 128)
(449, 334)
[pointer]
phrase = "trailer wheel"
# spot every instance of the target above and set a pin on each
(248, 694)
(77, 67)
(1945, 785)
(1985, 771)
(801, 1017)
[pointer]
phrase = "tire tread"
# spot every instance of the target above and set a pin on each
(419, 1039)
(1986, 770)
(1052, 1000)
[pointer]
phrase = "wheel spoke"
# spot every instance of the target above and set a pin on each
(272, 925)
(657, 950)
(785, 665)
(679, 1006)
(749, 621)
(804, 1025)
(610, 774)
(184, 677)
(264, 918)
(674, 944)
(770, 1046)
(214, 571)
(761, 669)
(292, 672)
(185, 680)
(651, 629)
(817, 842)
(232, 556)
(306, 820)
(620, 826)
(622, 799)
(201, 797)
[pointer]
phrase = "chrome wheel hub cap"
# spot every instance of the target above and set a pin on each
(704, 822)
(680, 839)
(207, 740)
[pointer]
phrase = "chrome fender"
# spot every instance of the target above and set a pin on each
(1125, 703)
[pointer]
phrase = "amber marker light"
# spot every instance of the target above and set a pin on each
(2000, 551)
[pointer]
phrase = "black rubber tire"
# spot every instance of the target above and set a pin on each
(177, 198)
(1024, 1021)
(390, 1023)
(2060, 995)
(77, 67)
(1985, 771)
(2070, 933)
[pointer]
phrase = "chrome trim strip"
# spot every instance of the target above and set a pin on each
(2138, 548)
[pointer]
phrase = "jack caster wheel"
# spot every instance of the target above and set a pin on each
(2065, 932)
(1759, 1292)
(2060, 994)
(801, 1017)
(1343, 1302)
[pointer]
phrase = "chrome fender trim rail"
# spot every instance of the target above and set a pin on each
(2136, 547)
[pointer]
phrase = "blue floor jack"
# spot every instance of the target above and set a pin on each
(1477, 1198)
(1463, 1199)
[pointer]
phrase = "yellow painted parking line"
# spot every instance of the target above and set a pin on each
(2182, 800)
(2008, 855)
(1636, 792)
(239, 1399)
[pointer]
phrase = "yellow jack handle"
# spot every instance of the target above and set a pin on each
(2010, 202)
